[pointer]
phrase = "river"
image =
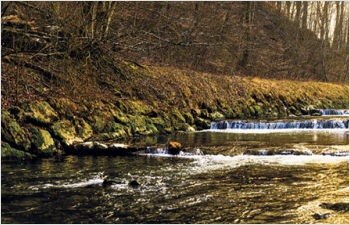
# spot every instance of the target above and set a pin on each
(222, 176)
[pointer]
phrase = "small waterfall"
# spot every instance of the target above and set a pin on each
(306, 124)
(334, 112)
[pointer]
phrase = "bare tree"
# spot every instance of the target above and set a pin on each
(305, 10)
(297, 15)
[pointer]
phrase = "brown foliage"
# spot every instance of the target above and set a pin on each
(89, 50)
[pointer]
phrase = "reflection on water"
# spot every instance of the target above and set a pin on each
(225, 185)
(213, 138)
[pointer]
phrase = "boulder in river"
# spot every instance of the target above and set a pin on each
(320, 215)
(340, 206)
(134, 183)
(174, 148)
(107, 181)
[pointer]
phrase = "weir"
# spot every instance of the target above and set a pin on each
(296, 124)
(333, 112)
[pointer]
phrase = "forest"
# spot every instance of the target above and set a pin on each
(53, 45)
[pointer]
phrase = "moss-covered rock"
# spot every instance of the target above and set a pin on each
(119, 116)
(139, 125)
(189, 118)
(196, 112)
(251, 110)
(40, 113)
(166, 118)
(12, 133)
(205, 113)
(101, 120)
(202, 123)
(259, 112)
(229, 114)
(216, 116)
(250, 102)
(71, 131)
(123, 107)
(177, 115)
(9, 153)
(42, 142)
(140, 108)
(293, 110)
(18, 114)
(158, 123)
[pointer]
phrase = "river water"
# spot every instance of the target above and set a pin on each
(227, 176)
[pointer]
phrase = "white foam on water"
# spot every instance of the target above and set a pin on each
(96, 180)
(215, 162)
(208, 163)
(81, 184)
(262, 131)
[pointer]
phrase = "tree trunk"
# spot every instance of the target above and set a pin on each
(336, 29)
(304, 22)
(292, 14)
(288, 9)
(94, 11)
(322, 20)
(248, 35)
(340, 30)
(326, 23)
(111, 9)
(297, 15)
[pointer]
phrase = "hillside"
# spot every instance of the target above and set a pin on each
(205, 62)
(222, 40)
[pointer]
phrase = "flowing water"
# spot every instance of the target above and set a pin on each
(221, 176)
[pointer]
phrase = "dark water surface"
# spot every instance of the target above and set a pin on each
(217, 187)
(276, 139)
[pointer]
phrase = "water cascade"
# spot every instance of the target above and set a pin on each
(333, 112)
(306, 124)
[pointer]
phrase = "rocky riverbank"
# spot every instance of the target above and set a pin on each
(57, 125)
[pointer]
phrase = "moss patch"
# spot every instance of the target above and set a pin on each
(40, 113)
(42, 142)
(69, 132)
(12, 133)
(9, 153)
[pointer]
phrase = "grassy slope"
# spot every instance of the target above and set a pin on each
(161, 87)
(190, 89)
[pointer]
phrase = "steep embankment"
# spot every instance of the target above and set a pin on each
(155, 101)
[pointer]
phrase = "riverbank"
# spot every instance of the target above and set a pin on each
(156, 101)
